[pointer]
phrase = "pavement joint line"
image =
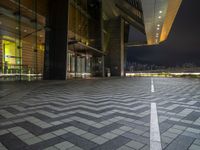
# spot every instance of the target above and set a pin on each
(152, 86)
(155, 141)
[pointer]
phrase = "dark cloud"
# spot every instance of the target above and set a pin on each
(183, 43)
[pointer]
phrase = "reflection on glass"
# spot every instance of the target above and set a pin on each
(21, 39)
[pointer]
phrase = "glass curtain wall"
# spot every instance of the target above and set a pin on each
(21, 39)
(78, 21)
(84, 35)
(78, 32)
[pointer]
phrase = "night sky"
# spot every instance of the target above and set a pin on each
(182, 45)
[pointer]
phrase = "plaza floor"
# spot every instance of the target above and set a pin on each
(100, 114)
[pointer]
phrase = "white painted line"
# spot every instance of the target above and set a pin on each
(152, 86)
(155, 141)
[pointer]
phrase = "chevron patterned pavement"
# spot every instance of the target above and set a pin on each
(99, 114)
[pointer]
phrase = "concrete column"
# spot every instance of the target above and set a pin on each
(56, 40)
(115, 56)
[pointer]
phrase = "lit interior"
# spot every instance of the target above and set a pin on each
(11, 55)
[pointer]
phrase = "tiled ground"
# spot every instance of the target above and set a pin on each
(179, 113)
(100, 114)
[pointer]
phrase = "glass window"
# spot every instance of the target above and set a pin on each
(22, 38)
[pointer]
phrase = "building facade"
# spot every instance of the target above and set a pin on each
(56, 40)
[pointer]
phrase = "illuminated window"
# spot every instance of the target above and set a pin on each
(11, 55)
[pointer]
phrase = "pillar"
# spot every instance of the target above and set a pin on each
(56, 40)
(115, 56)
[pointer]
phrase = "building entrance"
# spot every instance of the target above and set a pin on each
(78, 65)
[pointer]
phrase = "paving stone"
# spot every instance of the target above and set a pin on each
(64, 145)
(47, 143)
(179, 127)
(166, 139)
(78, 132)
(70, 128)
(178, 109)
(175, 131)
(118, 131)
(197, 142)
(2, 147)
(191, 134)
(187, 121)
(14, 129)
(194, 147)
(11, 142)
(193, 130)
(145, 147)
(2, 132)
(75, 148)
(113, 144)
(109, 135)
(125, 148)
(125, 128)
(192, 116)
(136, 131)
(170, 135)
(47, 136)
(136, 137)
(99, 140)
(135, 145)
(33, 140)
(51, 148)
(164, 145)
(26, 136)
(98, 125)
(59, 132)
(146, 134)
(88, 136)
(56, 123)
(164, 127)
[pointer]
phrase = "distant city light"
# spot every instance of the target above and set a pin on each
(160, 12)
(160, 17)
(158, 25)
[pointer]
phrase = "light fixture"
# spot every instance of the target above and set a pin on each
(156, 40)
(160, 12)
(159, 17)
(158, 28)
(158, 25)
